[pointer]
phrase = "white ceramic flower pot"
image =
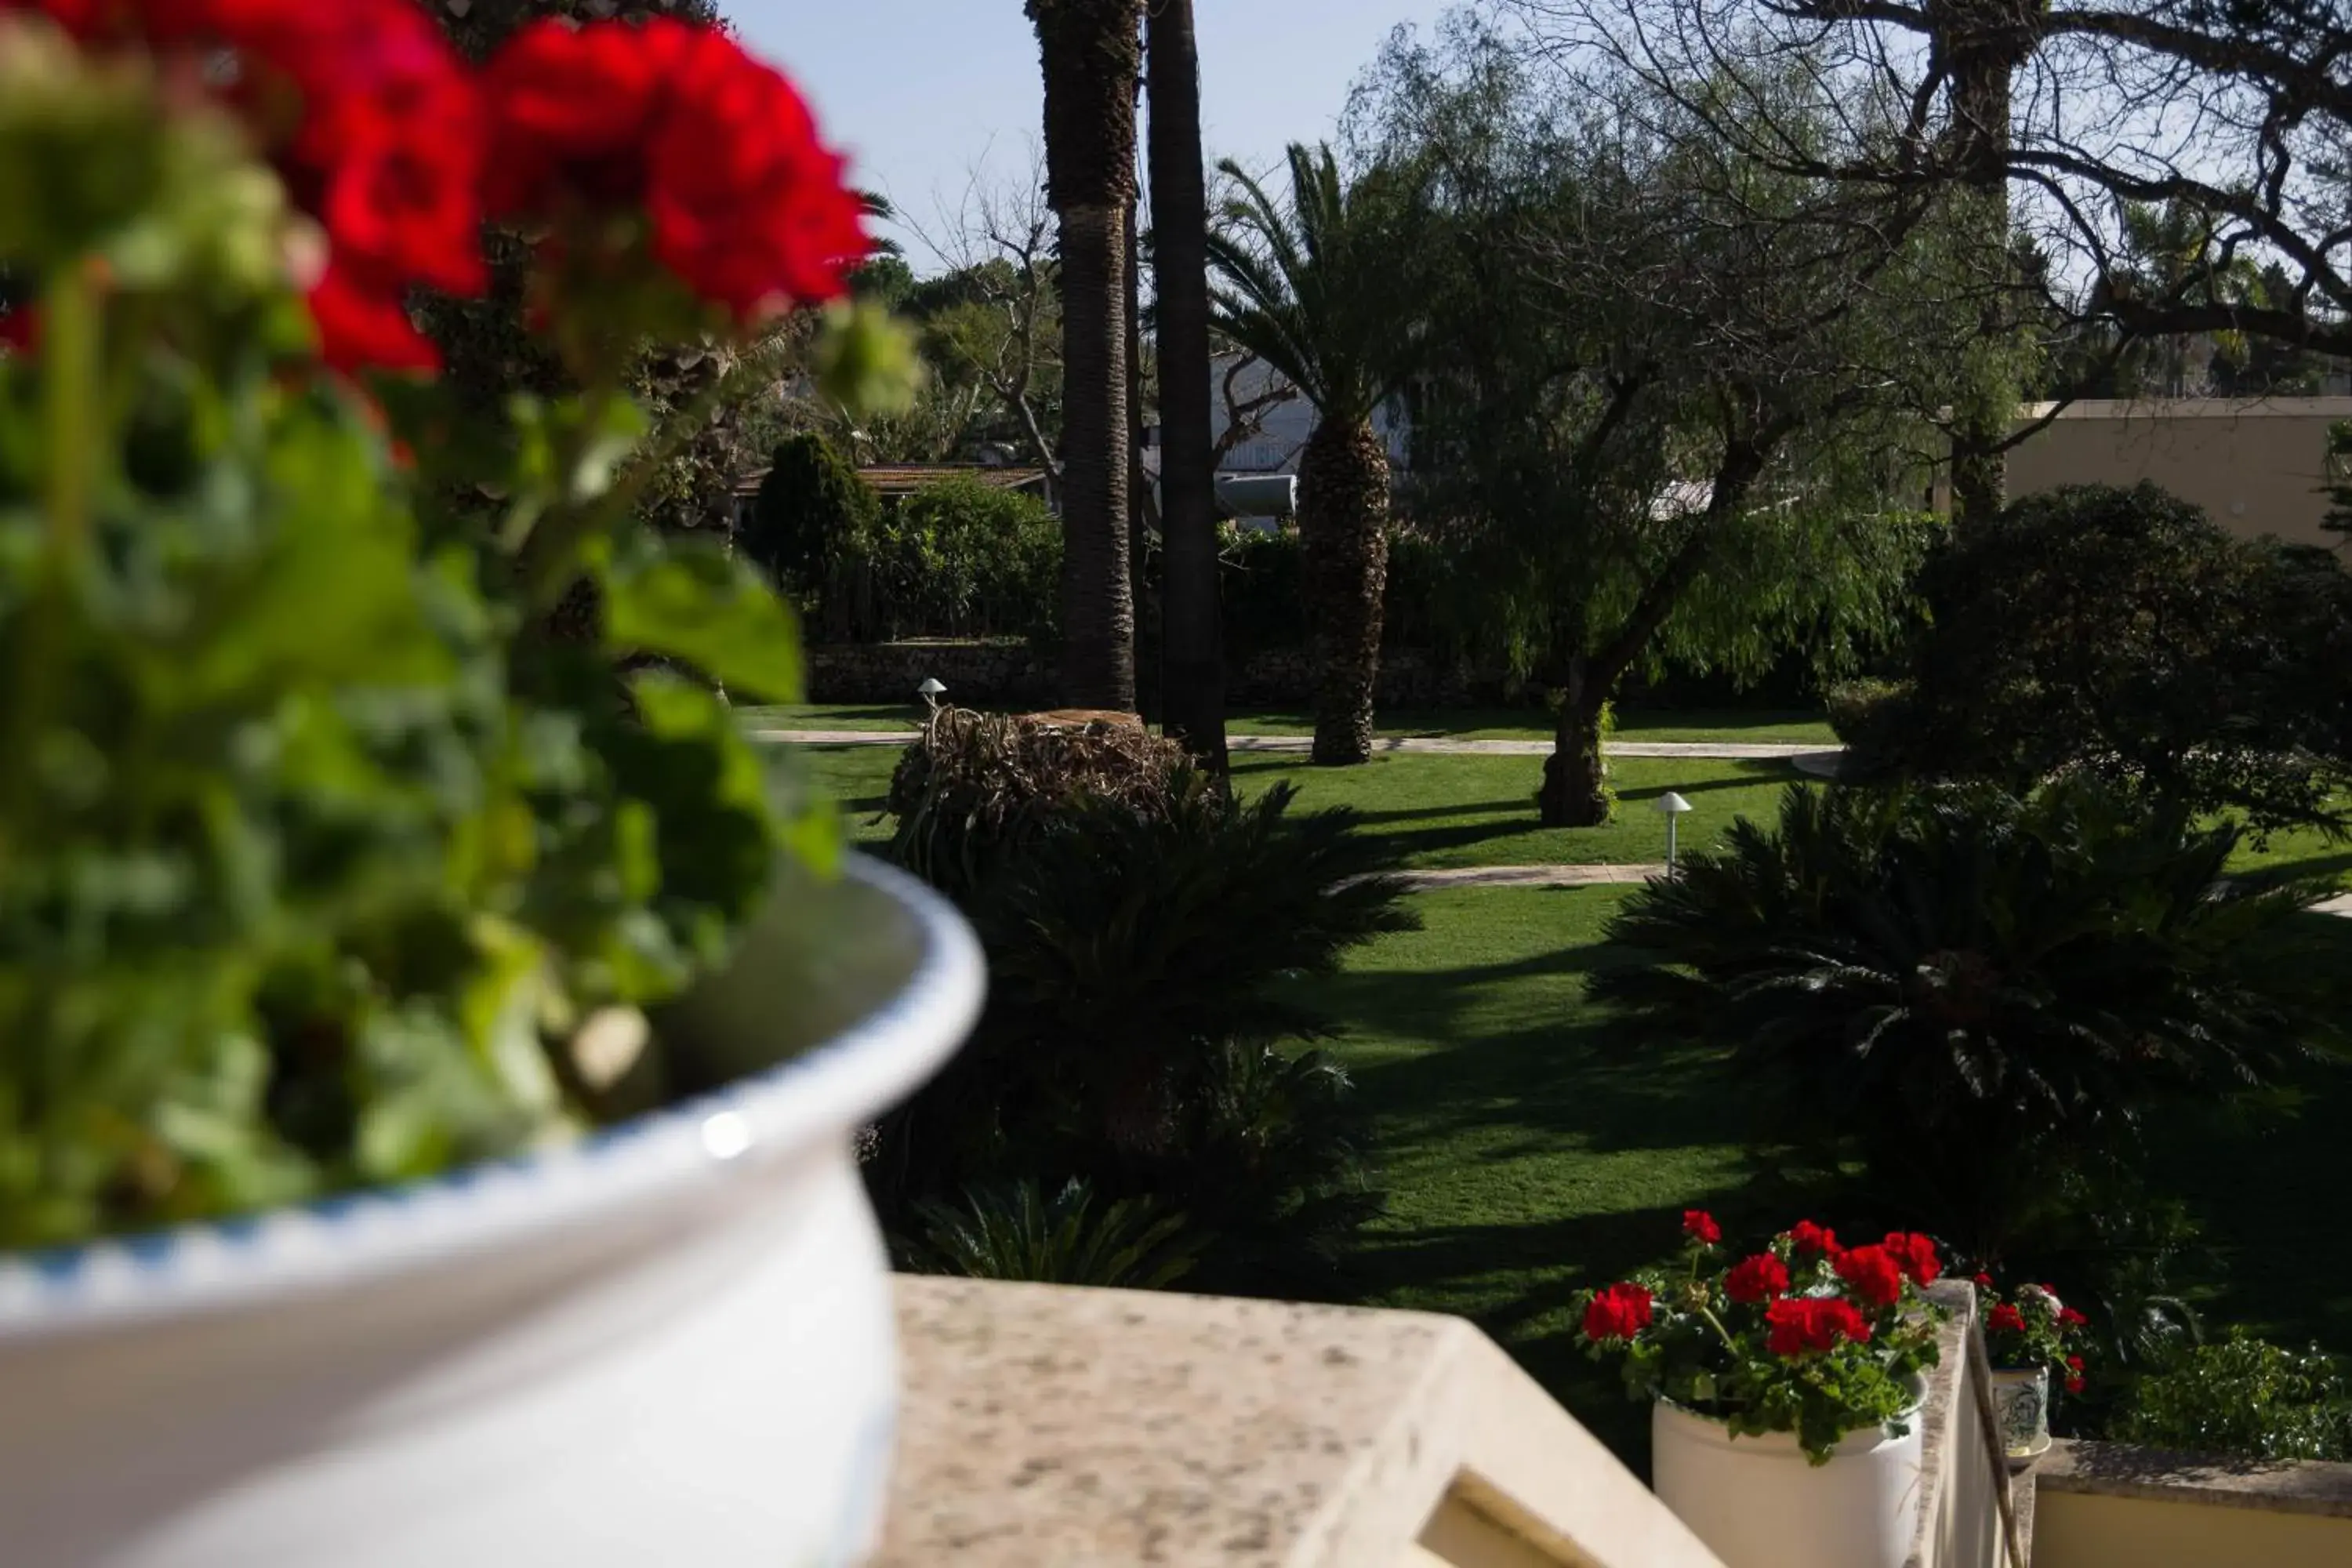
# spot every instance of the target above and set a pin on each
(1756, 1503)
(671, 1343)
(2021, 1403)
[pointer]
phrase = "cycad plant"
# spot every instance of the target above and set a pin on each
(1311, 286)
(1970, 990)
(1015, 1232)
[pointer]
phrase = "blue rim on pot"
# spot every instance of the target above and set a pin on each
(350, 1238)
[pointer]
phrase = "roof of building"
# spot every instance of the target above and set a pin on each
(905, 479)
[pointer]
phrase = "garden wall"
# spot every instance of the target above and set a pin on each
(1014, 675)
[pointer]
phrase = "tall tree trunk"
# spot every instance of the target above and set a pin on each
(1192, 653)
(1141, 518)
(1343, 516)
(1090, 52)
(1575, 792)
(1983, 43)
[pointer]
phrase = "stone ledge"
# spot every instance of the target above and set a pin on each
(1047, 1427)
(2120, 1469)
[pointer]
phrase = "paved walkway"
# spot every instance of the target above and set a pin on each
(1528, 877)
(1407, 745)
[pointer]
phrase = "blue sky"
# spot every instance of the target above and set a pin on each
(919, 91)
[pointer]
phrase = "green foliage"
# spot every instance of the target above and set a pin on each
(2122, 634)
(978, 790)
(1145, 950)
(315, 850)
(1969, 992)
(1713, 1353)
(2243, 1399)
(2338, 488)
(1014, 1232)
(959, 557)
(812, 520)
(1262, 585)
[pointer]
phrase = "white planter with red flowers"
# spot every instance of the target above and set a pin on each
(2029, 1336)
(1761, 1501)
(1786, 1389)
(672, 1343)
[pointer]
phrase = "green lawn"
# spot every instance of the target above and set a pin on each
(1464, 724)
(1442, 811)
(1450, 811)
(1525, 1158)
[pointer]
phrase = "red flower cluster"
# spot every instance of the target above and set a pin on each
(1617, 1314)
(373, 125)
(384, 136)
(2071, 1319)
(1763, 1278)
(2074, 1375)
(1810, 1240)
(2006, 1319)
(745, 205)
(1806, 1325)
(1916, 1255)
(1700, 1226)
(1874, 1273)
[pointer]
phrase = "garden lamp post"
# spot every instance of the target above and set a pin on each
(930, 691)
(1672, 807)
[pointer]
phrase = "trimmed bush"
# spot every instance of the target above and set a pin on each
(2245, 1399)
(2121, 633)
(812, 525)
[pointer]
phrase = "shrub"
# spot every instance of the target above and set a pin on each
(814, 522)
(963, 558)
(1014, 1232)
(2245, 1399)
(2122, 634)
(1144, 945)
(979, 787)
(1969, 992)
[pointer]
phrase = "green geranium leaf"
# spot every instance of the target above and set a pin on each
(690, 601)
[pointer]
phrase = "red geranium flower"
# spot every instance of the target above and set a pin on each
(1617, 1314)
(1700, 1226)
(2074, 1375)
(1807, 1325)
(1874, 1273)
(1916, 1255)
(1982, 1281)
(717, 151)
(372, 124)
(1810, 1240)
(2007, 1319)
(1758, 1278)
(2071, 1318)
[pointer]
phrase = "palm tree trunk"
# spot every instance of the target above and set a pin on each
(1984, 42)
(1343, 513)
(1090, 52)
(1191, 635)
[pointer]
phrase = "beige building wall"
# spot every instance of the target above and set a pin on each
(2074, 1529)
(2255, 466)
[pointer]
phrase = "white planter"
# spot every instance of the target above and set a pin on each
(2021, 1403)
(1758, 1504)
(671, 1343)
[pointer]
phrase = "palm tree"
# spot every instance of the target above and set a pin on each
(1191, 638)
(1091, 54)
(1311, 288)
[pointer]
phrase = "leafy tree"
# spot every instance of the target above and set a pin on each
(2058, 119)
(2122, 633)
(1971, 992)
(1311, 286)
(1090, 51)
(812, 514)
(1661, 417)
